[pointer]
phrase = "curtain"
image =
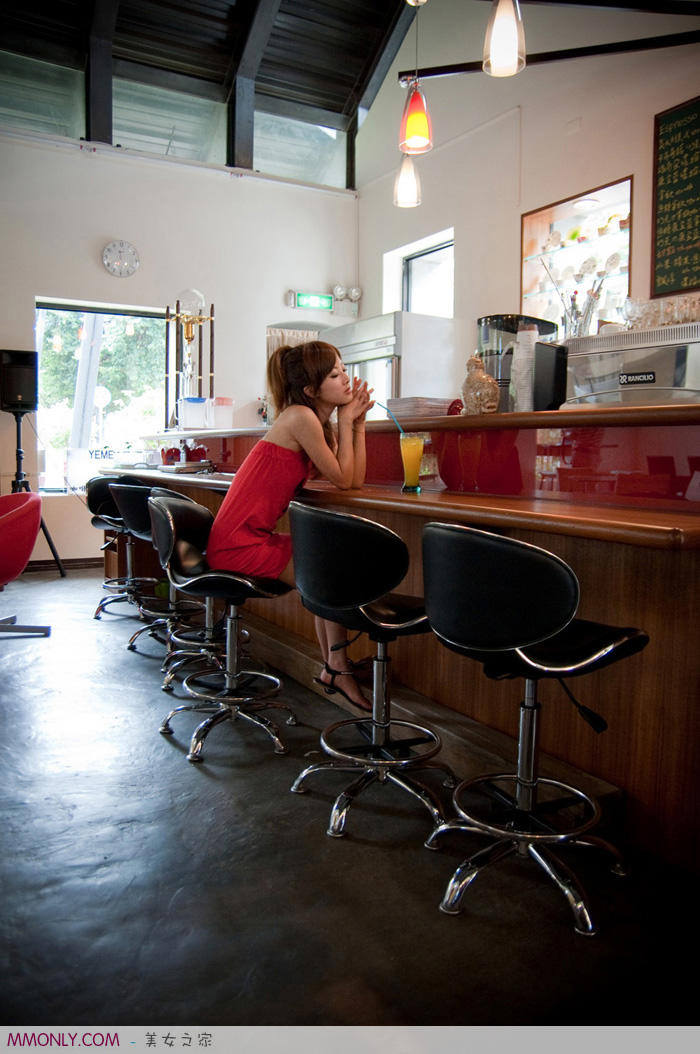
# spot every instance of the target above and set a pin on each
(277, 337)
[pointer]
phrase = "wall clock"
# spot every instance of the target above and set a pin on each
(120, 258)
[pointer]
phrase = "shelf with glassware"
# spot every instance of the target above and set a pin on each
(576, 258)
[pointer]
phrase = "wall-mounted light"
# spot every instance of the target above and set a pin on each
(504, 44)
(341, 292)
(407, 185)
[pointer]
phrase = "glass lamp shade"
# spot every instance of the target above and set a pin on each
(504, 44)
(416, 133)
(416, 3)
(407, 186)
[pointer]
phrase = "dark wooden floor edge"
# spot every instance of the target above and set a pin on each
(79, 564)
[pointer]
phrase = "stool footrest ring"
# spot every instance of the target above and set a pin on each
(219, 687)
(536, 824)
(381, 750)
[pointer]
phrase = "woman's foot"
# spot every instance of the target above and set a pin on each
(343, 682)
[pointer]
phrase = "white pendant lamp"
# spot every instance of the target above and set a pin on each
(504, 44)
(407, 185)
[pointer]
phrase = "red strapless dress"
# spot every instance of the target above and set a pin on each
(243, 535)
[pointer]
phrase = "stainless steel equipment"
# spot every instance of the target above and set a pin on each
(635, 367)
(400, 355)
(499, 336)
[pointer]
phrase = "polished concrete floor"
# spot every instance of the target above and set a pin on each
(141, 889)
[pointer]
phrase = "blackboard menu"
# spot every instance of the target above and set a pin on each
(675, 261)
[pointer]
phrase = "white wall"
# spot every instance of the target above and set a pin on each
(242, 241)
(506, 146)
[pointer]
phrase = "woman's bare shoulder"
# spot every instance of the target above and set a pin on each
(296, 416)
(293, 422)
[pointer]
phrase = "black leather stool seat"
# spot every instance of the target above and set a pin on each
(511, 606)
(181, 531)
(346, 568)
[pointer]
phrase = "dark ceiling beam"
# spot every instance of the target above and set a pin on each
(388, 51)
(649, 7)
(55, 52)
(619, 47)
(241, 90)
(98, 72)
(350, 162)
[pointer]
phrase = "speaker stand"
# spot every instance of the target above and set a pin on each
(20, 483)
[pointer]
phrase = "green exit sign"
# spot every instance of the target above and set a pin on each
(317, 301)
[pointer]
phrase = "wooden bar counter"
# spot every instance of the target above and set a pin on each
(614, 493)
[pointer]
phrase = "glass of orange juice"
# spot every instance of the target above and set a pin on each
(411, 454)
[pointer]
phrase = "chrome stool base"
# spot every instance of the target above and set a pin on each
(383, 758)
(523, 823)
(164, 616)
(200, 645)
(229, 704)
(128, 589)
(227, 693)
(555, 868)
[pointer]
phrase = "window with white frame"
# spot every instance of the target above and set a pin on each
(101, 389)
(419, 276)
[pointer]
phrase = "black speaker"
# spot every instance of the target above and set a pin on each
(18, 381)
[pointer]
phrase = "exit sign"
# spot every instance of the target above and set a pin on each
(315, 301)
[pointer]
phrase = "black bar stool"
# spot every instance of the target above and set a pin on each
(106, 517)
(344, 567)
(163, 614)
(511, 606)
(181, 531)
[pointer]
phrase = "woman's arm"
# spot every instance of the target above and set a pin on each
(344, 467)
(359, 452)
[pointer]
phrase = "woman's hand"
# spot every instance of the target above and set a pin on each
(359, 404)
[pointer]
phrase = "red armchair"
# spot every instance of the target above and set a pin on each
(20, 519)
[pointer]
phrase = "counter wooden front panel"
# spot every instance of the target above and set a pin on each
(650, 701)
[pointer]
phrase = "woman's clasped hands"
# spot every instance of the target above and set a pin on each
(360, 402)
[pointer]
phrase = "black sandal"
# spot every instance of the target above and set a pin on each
(361, 669)
(332, 688)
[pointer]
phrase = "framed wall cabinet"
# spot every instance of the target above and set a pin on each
(575, 259)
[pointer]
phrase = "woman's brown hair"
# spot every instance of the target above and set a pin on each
(291, 369)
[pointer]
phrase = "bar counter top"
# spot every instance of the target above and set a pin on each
(654, 528)
(649, 528)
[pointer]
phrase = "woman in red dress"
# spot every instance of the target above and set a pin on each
(307, 383)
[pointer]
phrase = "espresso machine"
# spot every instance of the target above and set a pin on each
(635, 367)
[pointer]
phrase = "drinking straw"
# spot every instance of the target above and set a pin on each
(390, 415)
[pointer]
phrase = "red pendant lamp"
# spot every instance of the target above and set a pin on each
(415, 133)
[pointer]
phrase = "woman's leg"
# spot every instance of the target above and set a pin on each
(330, 634)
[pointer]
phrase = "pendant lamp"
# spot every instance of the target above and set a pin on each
(407, 185)
(504, 44)
(415, 133)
